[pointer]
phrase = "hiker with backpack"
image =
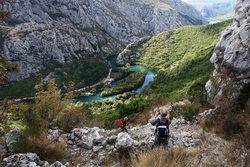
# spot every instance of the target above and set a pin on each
(123, 124)
(170, 112)
(162, 131)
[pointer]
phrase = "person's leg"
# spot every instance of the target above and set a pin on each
(124, 129)
(157, 141)
(165, 142)
(169, 122)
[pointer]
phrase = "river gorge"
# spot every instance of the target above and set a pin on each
(137, 68)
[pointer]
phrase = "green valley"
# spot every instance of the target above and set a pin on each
(181, 58)
(83, 73)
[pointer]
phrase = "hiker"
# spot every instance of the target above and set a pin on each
(157, 113)
(170, 112)
(191, 99)
(161, 132)
(124, 124)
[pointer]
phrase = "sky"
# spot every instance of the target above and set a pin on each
(203, 2)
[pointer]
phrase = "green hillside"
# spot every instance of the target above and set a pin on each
(82, 72)
(181, 58)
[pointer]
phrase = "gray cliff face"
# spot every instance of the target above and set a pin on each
(130, 54)
(231, 57)
(64, 30)
(124, 20)
(32, 46)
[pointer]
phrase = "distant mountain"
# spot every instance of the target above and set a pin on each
(207, 2)
(214, 8)
(64, 30)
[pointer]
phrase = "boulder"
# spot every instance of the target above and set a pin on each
(124, 140)
(85, 137)
(3, 147)
(11, 138)
(24, 160)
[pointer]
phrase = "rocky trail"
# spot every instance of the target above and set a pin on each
(95, 144)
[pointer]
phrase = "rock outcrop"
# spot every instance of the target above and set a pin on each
(130, 54)
(63, 30)
(231, 58)
(30, 160)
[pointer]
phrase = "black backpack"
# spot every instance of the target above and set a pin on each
(162, 128)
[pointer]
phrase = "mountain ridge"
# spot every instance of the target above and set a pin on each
(66, 30)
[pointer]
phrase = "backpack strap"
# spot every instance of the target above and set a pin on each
(158, 122)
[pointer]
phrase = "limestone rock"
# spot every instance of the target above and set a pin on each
(3, 147)
(11, 138)
(231, 57)
(86, 136)
(130, 53)
(124, 140)
(28, 159)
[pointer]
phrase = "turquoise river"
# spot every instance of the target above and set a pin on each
(149, 78)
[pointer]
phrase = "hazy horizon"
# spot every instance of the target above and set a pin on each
(206, 2)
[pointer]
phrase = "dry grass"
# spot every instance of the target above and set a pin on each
(161, 158)
(235, 127)
(46, 149)
(121, 158)
(211, 154)
(141, 118)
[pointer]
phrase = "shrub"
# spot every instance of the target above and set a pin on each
(135, 106)
(230, 125)
(46, 149)
(4, 68)
(244, 98)
(188, 111)
(3, 122)
(108, 118)
(197, 91)
(71, 118)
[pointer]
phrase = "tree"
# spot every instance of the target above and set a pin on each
(4, 14)
(4, 68)
(197, 92)
(4, 65)
(47, 101)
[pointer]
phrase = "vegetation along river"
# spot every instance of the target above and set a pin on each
(149, 78)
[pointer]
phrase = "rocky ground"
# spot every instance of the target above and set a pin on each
(95, 144)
